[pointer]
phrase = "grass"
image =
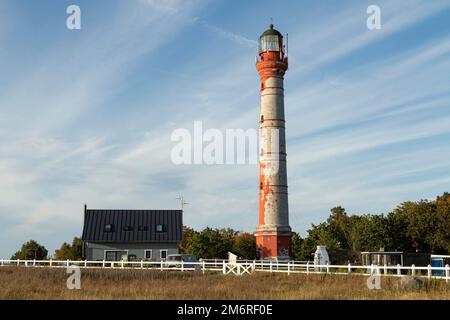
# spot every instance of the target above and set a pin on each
(46, 283)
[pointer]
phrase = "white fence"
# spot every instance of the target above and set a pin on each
(242, 267)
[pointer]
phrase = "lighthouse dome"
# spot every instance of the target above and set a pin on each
(271, 32)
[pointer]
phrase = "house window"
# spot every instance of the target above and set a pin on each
(160, 228)
(163, 254)
(108, 228)
(143, 228)
(113, 255)
(127, 228)
(148, 254)
(132, 257)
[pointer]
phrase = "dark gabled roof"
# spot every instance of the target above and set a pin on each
(96, 219)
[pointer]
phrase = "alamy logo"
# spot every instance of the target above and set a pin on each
(74, 20)
(374, 20)
(234, 146)
(74, 280)
(374, 281)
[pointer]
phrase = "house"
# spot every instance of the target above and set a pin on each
(115, 235)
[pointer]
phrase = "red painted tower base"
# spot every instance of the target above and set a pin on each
(273, 246)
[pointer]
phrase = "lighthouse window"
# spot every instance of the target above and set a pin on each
(269, 43)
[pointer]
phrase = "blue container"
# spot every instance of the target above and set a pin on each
(437, 262)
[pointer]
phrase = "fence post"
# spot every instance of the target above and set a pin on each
(26, 263)
(446, 273)
(142, 264)
(270, 266)
(161, 265)
(289, 267)
(85, 263)
(18, 262)
(413, 270)
(34, 262)
(254, 264)
(121, 263)
(371, 268)
(51, 262)
(349, 268)
(328, 268)
(399, 271)
(2, 262)
(385, 269)
(307, 267)
(103, 263)
(67, 263)
(182, 265)
(224, 271)
(203, 266)
(429, 271)
(112, 265)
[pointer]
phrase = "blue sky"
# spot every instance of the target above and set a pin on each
(86, 115)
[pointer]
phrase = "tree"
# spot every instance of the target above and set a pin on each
(245, 246)
(31, 250)
(421, 222)
(70, 252)
(308, 246)
(396, 228)
(189, 235)
(297, 242)
(371, 231)
(442, 235)
(213, 243)
(63, 253)
(338, 228)
(77, 249)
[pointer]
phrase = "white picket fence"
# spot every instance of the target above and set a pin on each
(242, 267)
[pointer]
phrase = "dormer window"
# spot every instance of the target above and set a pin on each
(160, 228)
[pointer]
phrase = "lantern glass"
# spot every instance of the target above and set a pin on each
(269, 43)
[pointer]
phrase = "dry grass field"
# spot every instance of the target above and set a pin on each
(45, 283)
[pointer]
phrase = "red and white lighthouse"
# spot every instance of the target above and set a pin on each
(273, 234)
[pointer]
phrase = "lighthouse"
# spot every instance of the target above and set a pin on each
(273, 234)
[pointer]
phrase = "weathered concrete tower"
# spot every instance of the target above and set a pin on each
(273, 235)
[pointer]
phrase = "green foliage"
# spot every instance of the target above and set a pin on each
(420, 222)
(442, 238)
(31, 250)
(189, 236)
(413, 226)
(245, 246)
(213, 243)
(297, 242)
(216, 243)
(70, 252)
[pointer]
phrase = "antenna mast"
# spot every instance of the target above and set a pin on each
(287, 44)
(182, 202)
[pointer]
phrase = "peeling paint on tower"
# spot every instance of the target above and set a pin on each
(273, 234)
